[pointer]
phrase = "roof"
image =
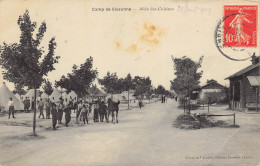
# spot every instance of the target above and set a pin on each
(254, 80)
(243, 71)
(213, 83)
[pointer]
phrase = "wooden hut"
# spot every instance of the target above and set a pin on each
(244, 87)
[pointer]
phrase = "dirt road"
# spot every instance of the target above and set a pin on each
(142, 137)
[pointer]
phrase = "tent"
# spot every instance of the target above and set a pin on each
(30, 94)
(44, 96)
(55, 96)
(73, 95)
(18, 96)
(64, 95)
(5, 95)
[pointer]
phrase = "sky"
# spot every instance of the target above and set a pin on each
(137, 42)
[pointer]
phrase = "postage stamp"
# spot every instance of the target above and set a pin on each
(240, 26)
(236, 35)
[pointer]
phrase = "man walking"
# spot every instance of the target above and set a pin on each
(11, 107)
(40, 107)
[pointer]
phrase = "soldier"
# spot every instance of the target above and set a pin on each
(26, 104)
(85, 113)
(60, 110)
(71, 103)
(11, 107)
(67, 111)
(103, 111)
(47, 106)
(40, 107)
(80, 105)
(96, 111)
(54, 114)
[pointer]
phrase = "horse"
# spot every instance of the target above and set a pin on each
(113, 108)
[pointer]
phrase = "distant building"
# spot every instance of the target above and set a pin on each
(212, 91)
(244, 87)
(125, 95)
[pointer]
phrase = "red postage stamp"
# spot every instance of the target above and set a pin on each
(240, 26)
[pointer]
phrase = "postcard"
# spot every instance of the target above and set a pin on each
(129, 83)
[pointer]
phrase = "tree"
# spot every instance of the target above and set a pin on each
(142, 85)
(47, 87)
(80, 79)
(19, 89)
(21, 61)
(128, 84)
(160, 90)
(187, 75)
(112, 84)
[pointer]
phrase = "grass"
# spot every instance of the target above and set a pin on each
(185, 121)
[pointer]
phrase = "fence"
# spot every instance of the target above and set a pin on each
(234, 117)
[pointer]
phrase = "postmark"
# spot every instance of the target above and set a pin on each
(236, 34)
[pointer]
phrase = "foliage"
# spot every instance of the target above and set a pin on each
(160, 90)
(143, 85)
(214, 97)
(21, 61)
(128, 83)
(19, 89)
(47, 87)
(80, 79)
(187, 75)
(112, 84)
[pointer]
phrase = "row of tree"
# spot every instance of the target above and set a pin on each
(26, 65)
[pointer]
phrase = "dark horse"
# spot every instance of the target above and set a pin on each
(113, 108)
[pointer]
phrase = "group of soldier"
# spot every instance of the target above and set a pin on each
(53, 108)
(81, 107)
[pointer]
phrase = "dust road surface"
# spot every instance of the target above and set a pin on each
(142, 137)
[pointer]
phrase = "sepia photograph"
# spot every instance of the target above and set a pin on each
(129, 83)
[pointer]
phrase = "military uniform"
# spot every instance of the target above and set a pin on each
(54, 114)
(67, 111)
(41, 104)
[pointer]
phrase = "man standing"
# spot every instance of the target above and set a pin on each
(70, 103)
(80, 106)
(40, 107)
(11, 107)
(26, 105)
(54, 114)
(47, 106)
(67, 111)
(60, 110)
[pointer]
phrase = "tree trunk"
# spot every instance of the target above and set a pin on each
(34, 112)
(128, 100)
